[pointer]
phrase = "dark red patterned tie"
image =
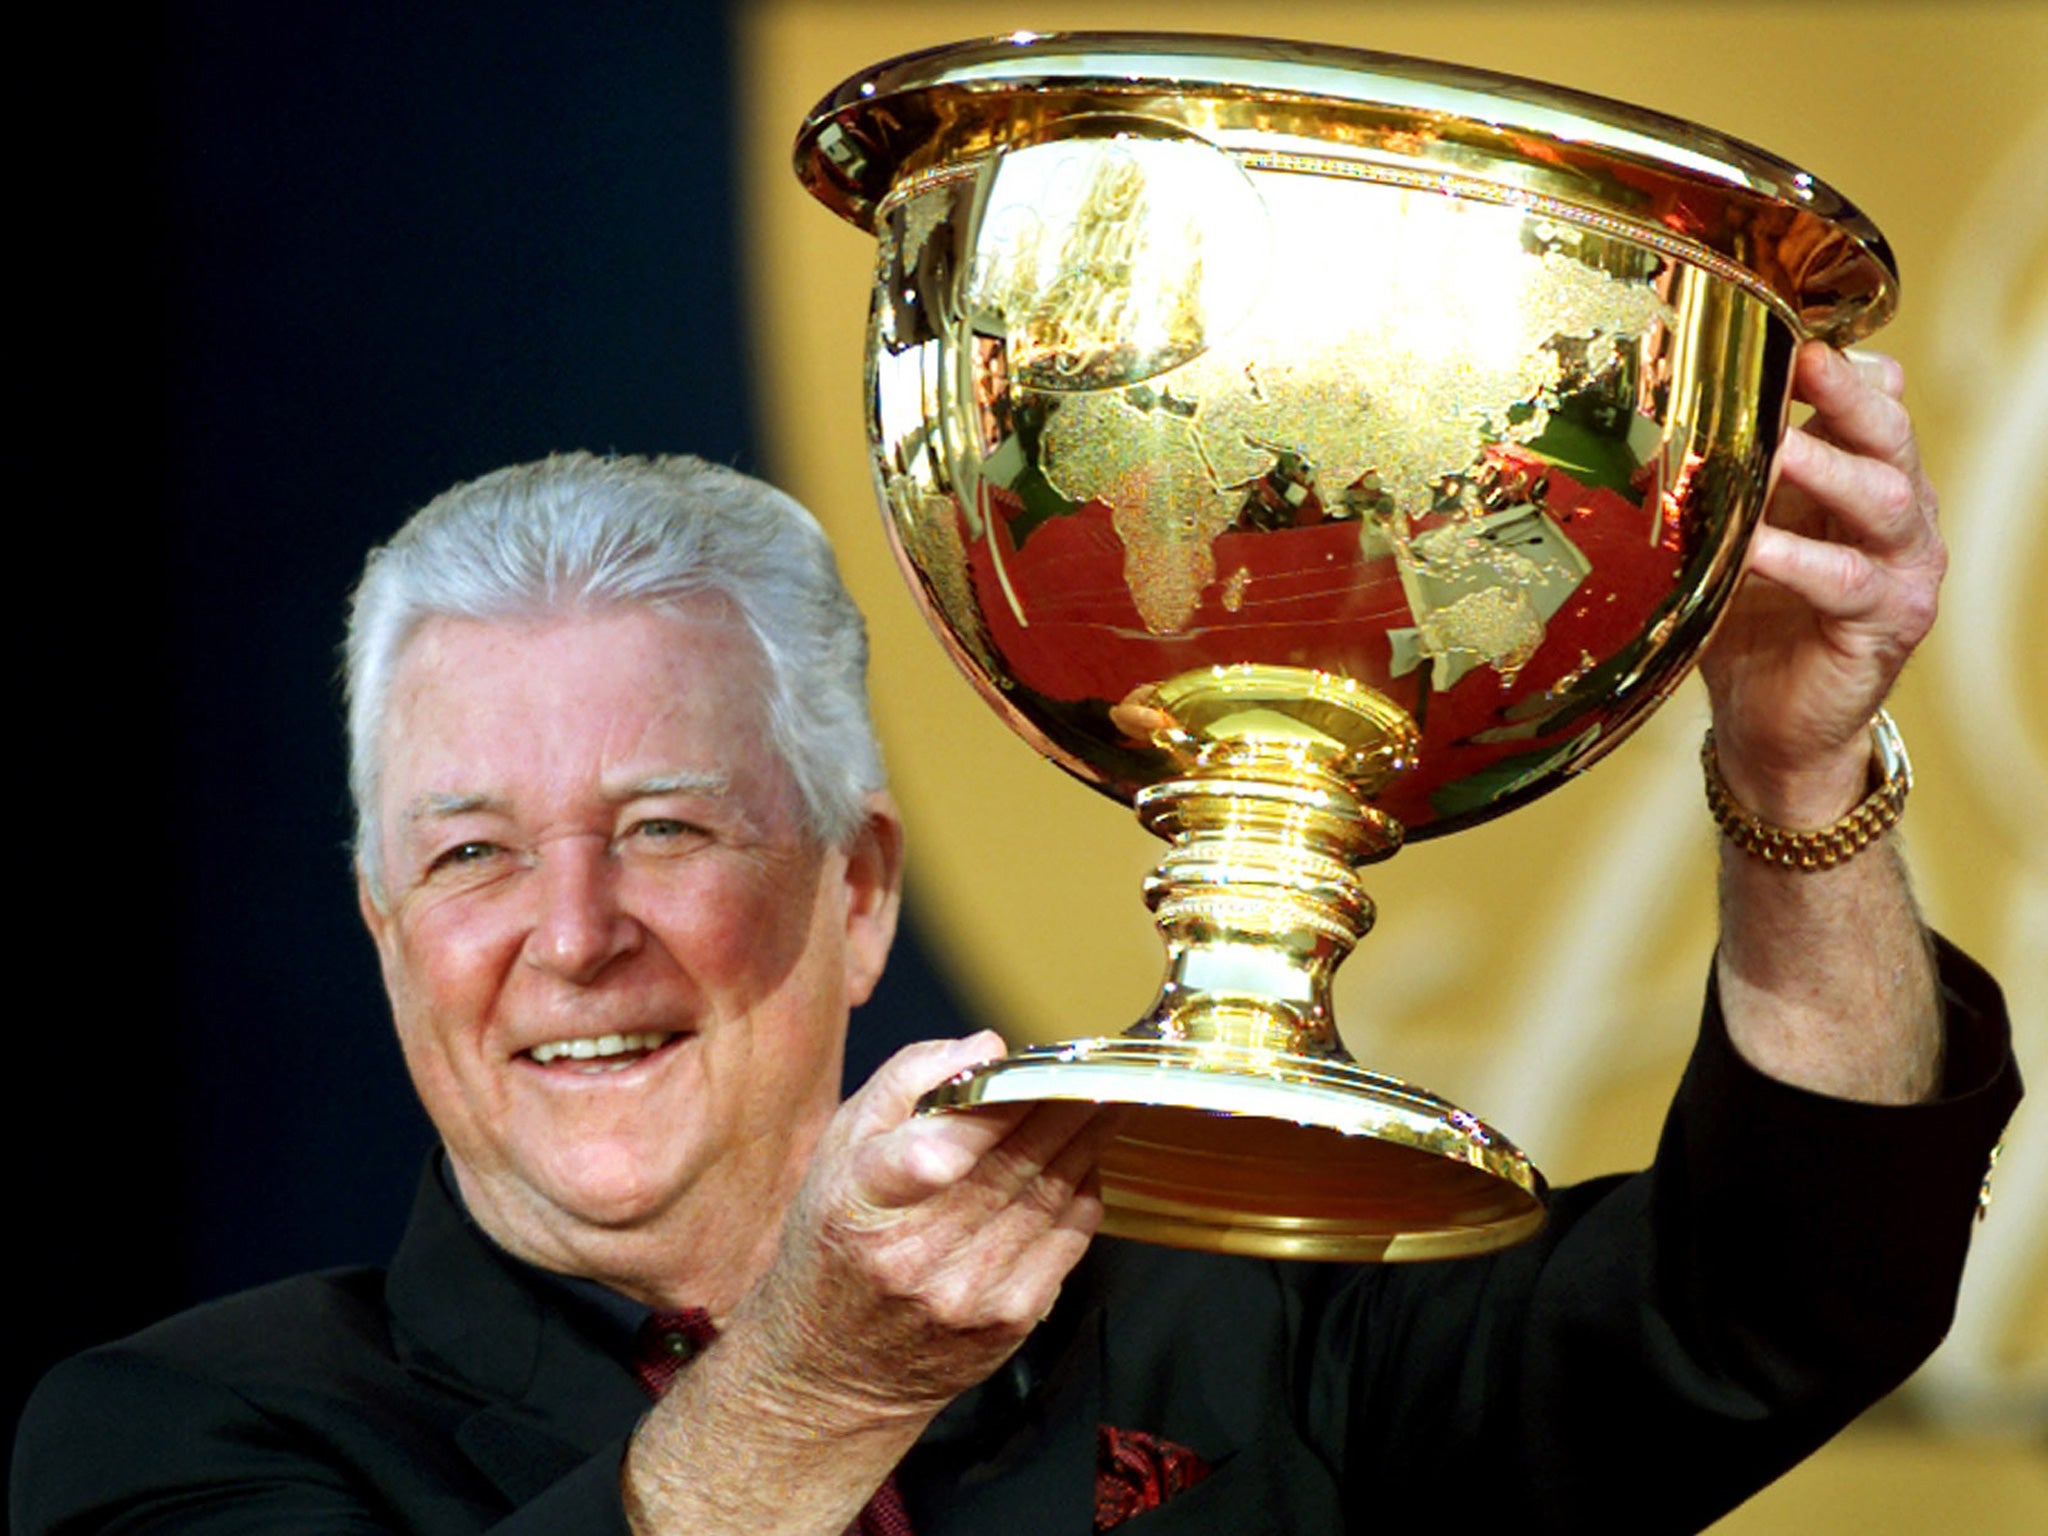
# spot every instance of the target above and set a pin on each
(671, 1340)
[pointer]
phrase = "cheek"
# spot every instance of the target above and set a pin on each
(439, 974)
(743, 934)
(772, 971)
(424, 1038)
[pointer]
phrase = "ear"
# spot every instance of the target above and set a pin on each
(874, 895)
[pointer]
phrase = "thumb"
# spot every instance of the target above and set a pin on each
(887, 1099)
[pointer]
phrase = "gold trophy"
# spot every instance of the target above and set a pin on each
(1315, 449)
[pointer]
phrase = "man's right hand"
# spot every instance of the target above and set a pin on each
(919, 1254)
(923, 1249)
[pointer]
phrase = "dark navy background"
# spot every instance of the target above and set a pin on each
(305, 266)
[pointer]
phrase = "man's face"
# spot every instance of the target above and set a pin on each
(619, 965)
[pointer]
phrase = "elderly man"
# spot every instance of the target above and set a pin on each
(627, 859)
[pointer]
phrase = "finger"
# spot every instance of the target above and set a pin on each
(1008, 1272)
(986, 1159)
(1880, 370)
(887, 1099)
(1056, 1135)
(998, 1149)
(1045, 1223)
(1853, 406)
(978, 1260)
(1032, 1278)
(924, 1155)
(1074, 1166)
(1837, 580)
(1878, 504)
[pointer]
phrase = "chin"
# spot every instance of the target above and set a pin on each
(614, 1186)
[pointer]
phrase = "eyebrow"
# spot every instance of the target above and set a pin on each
(439, 803)
(684, 781)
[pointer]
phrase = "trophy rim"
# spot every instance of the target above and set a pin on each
(1842, 302)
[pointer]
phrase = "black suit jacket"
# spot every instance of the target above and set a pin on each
(1670, 1343)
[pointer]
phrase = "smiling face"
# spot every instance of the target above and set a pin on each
(619, 964)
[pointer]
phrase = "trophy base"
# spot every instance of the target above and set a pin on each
(1233, 1149)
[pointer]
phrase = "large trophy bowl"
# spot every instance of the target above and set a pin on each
(1315, 449)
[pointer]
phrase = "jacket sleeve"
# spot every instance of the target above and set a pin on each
(1676, 1339)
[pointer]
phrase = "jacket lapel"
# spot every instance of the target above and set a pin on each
(548, 1397)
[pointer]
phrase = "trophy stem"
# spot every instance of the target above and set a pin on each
(1247, 1127)
(1257, 900)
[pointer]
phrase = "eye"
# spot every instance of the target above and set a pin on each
(464, 855)
(664, 833)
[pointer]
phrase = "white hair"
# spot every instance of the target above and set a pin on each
(575, 533)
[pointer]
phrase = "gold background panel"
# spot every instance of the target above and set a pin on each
(1544, 971)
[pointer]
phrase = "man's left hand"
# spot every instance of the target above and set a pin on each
(1842, 583)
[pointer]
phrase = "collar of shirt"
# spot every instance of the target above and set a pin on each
(613, 1320)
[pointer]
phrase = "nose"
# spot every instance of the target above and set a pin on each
(582, 926)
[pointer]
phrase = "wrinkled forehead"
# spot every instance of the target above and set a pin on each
(615, 691)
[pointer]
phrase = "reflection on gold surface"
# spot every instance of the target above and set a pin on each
(1164, 516)
(1089, 257)
(1234, 589)
(929, 527)
(1426, 438)
(1495, 624)
(1338, 388)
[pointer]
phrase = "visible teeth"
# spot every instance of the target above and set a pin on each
(591, 1047)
